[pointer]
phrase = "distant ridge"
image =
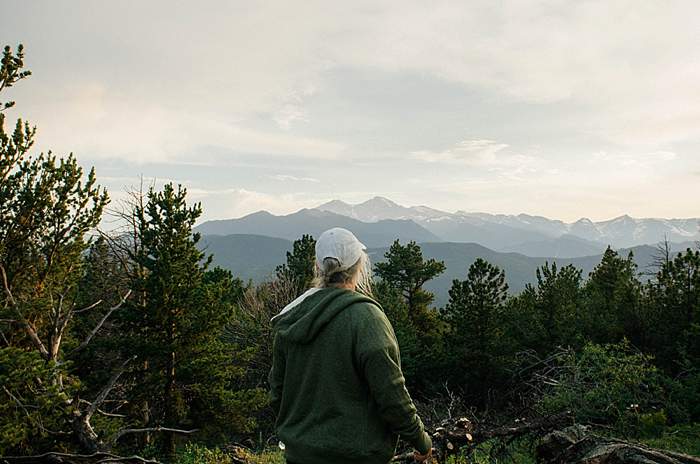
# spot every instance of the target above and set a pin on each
(314, 221)
(255, 257)
(525, 233)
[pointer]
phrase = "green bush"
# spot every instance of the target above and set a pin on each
(33, 405)
(196, 454)
(679, 438)
(607, 384)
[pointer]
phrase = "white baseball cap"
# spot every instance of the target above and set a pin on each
(340, 244)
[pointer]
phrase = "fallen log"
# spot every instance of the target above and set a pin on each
(462, 433)
(68, 458)
(577, 445)
(562, 443)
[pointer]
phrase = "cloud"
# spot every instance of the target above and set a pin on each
(647, 160)
(287, 177)
(488, 156)
(236, 202)
(467, 151)
(98, 125)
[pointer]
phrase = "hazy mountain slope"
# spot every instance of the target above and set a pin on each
(255, 257)
(247, 256)
(566, 246)
(476, 230)
(314, 222)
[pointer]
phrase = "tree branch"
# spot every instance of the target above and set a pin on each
(102, 321)
(87, 308)
(105, 391)
(27, 326)
(68, 458)
(123, 432)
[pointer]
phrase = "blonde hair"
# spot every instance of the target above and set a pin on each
(327, 274)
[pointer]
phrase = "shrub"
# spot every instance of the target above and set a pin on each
(606, 384)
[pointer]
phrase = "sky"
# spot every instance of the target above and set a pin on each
(565, 109)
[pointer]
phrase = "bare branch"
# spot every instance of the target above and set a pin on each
(69, 458)
(102, 321)
(105, 391)
(123, 432)
(31, 332)
(87, 308)
(16, 400)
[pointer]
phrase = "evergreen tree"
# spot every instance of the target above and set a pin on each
(177, 322)
(416, 357)
(475, 315)
(48, 207)
(406, 270)
(674, 300)
(613, 297)
(299, 268)
(547, 315)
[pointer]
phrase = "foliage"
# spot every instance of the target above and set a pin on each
(193, 454)
(407, 271)
(679, 438)
(11, 71)
(175, 325)
(475, 315)
(606, 384)
(547, 315)
(415, 355)
(299, 268)
(674, 314)
(612, 301)
(48, 208)
(32, 401)
(197, 454)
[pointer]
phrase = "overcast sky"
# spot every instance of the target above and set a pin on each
(565, 109)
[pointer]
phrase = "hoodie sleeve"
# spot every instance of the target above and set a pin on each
(276, 376)
(377, 355)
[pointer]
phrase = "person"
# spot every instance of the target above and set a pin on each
(336, 383)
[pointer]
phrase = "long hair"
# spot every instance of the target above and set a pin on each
(327, 274)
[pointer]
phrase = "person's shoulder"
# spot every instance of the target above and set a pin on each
(367, 311)
(367, 307)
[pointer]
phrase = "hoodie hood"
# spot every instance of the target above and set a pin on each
(310, 316)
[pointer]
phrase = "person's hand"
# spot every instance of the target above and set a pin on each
(422, 457)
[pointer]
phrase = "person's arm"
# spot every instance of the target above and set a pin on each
(276, 376)
(377, 353)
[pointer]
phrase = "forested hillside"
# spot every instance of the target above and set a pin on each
(256, 257)
(132, 343)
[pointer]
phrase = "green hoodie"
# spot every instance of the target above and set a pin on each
(336, 382)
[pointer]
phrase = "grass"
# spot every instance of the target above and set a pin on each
(680, 438)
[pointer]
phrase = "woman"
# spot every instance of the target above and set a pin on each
(336, 381)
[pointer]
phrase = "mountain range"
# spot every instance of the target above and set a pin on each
(379, 221)
(523, 231)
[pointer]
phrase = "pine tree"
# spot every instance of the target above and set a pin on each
(48, 207)
(474, 313)
(406, 270)
(299, 268)
(547, 314)
(175, 325)
(613, 295)
(674, 299)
